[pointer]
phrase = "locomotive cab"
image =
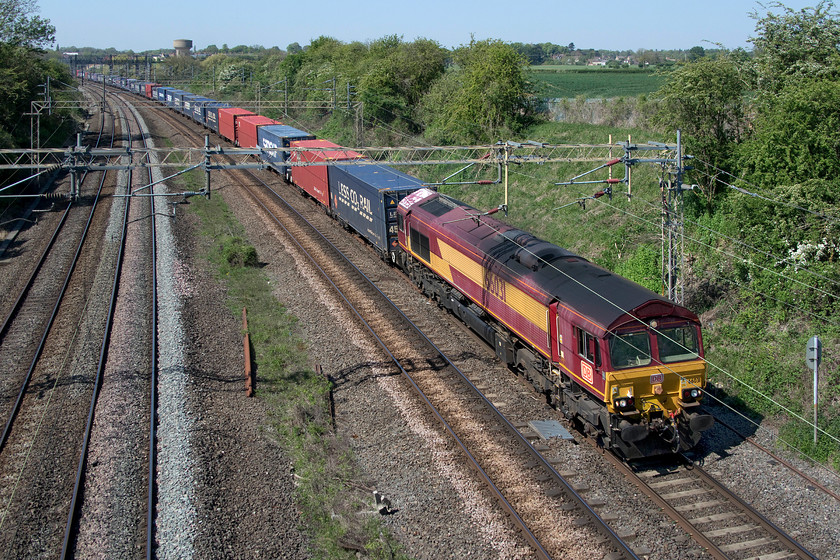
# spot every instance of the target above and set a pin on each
(655, 383)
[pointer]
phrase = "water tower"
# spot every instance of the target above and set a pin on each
(182, 47)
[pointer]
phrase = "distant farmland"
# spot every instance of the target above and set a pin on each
(593, 82)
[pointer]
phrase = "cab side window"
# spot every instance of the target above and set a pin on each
(587, 346)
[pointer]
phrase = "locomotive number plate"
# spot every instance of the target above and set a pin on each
(657, 378)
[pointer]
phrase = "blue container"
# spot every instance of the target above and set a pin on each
(162, 94)
(365, 196)
(199, 105)
(187, 101)
(273, 136)
(178, 99)
(211, 115)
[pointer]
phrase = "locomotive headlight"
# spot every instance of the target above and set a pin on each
(691, 394)
(623, 398)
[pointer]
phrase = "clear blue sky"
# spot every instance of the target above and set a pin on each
(605, 24)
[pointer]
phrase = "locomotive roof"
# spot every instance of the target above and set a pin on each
(551, 272)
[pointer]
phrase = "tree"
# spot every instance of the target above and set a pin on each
(21, 27)
(793, 46)
(485, 94)
(696, 52)
(796, 138)
(706, 101)
(398, 77)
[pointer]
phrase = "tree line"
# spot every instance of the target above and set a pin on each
(24, 69)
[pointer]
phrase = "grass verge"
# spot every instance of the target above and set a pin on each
(327, 497)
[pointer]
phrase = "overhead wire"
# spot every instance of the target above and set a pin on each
(748, 288)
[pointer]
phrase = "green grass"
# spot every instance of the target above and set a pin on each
(296, 397)
(593, 82)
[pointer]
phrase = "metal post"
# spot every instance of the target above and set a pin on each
(507, 151)
(813, 356)
(74, 173)
(816, 383)
(207, 165)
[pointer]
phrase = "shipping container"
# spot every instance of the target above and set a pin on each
(161, 93)
(178, 97)
(211, 115)
(273, 136)
(199, 105)
(366, 196)
(172, 97)
(246, 129)
(149, 89)
(313, 178)
(227, 121)
(187, 103)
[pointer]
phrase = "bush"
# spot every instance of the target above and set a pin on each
(238, 254)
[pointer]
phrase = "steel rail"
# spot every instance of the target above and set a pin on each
(781, 536)
(76, 501)
(152, 485)
(4, 437)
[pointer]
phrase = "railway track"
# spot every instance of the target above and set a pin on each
(726, 526)
(57, 439)
(45, 350)
(133, 308)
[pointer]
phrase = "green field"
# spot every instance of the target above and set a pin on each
(593, 82)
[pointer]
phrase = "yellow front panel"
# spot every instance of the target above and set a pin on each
(643, 380)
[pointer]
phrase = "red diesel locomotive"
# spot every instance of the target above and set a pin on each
(625, 362)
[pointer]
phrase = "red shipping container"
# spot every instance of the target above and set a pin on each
(149, 90)
(246, 129)
(313, 179)
(227, 121)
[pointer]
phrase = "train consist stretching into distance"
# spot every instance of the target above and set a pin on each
(622, 361)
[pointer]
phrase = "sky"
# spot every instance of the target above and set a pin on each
(604, 24)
